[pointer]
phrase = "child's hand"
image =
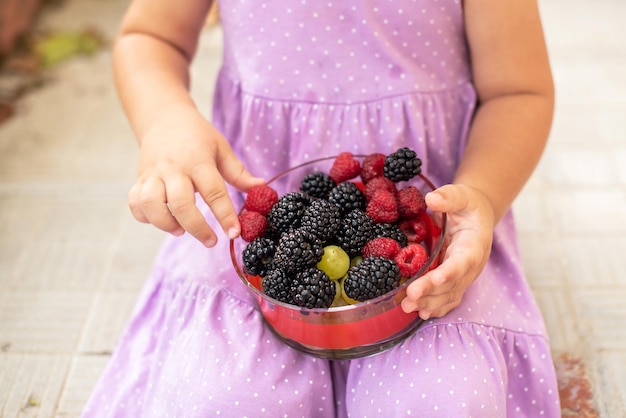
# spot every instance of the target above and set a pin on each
(182, 154)
(467, 248)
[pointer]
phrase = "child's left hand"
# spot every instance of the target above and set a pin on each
(467, 247)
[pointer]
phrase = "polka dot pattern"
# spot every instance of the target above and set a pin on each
(306, 79)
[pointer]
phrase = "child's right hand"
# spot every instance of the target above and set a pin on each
(181, 154)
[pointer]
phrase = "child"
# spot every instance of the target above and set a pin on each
(467, 85)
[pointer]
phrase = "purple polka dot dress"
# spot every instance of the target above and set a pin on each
(303, 79)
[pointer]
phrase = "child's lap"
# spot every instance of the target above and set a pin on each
(194, 349)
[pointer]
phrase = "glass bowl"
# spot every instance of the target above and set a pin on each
(342, 332)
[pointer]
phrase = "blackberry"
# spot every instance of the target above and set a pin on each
(322, 218)
(402, 165)
(354, 232)
(258, 256)
(313, 289)
(347, 196)
(286, 213)
(317, 184)
(277, 285)
(392, 231)
(297, 250)
(372, 277)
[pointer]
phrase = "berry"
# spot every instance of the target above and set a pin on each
(260, 199)
(372, 167)
(277, 285)
(402, 165)
(381, 247)
(335, 262)
(253, 225)
(347, 196)
(410, 202)
(297, 250)
(287, 213)
(322, 218)
(313, 289)
(411, 259)
(390, 230)
(345, 167)
(354, 232)
(317, 184)
(258, 256)
(383, 206)
(378, 183)
(372, 277)
(416, 229)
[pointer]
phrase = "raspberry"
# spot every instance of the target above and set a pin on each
(372, 277)
(317, 184)
(390, 230)
(381, 247)
(372, 166)
(347, 196)
(411, 259)
(253, 225)
(379, 183)
(260, 199)
(402, 165)
(383, 206)
(417, 228)
(345, 167)
(410, 202)
(414, 228)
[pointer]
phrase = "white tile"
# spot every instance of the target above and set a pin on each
(530, 212)
(618, 160)
(580, 166)
(542, 260)
(109, 317)
(592, 211)
(133, 255)
(43, 321)
(31, 384)
(69, 242)
(83, 376)
(559, 317)
(601, 316)
(595, 262)
(614, 365)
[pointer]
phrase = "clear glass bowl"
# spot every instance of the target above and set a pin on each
(343, 332)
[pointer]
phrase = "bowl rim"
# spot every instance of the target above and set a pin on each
(434, 253)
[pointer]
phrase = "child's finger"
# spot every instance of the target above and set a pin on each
(181, 200)
(234, 172)
(447, 198)
(210, 185)
(153, 203)
(134, 202)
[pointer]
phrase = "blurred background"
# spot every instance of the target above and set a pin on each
(72, 258)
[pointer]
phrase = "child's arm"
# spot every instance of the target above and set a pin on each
(507, 137)
(180, 152)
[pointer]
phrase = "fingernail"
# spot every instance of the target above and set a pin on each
(233, 233)
(210, 242)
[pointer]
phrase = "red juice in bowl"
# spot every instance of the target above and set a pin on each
(341, 332)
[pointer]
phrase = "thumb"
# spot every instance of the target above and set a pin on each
(234, 172)
(448, 198)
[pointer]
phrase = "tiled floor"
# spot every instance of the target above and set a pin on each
(72, 259)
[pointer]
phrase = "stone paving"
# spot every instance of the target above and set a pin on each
(72, 259)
